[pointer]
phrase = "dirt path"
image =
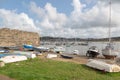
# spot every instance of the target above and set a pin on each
(76, 59)
(3, 77)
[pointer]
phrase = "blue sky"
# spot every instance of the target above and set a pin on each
(60, 18)
(64, 6)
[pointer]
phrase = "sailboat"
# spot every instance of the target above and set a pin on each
(109, 52)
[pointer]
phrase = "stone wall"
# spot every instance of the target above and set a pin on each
(12, 37)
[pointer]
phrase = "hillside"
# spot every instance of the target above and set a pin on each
(48, 38)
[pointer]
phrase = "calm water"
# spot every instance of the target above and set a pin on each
(82, 48)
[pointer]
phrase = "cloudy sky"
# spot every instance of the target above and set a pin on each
(62, 18)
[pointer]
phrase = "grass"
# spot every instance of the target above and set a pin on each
(45, 69)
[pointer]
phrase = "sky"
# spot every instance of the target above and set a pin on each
(62, 18)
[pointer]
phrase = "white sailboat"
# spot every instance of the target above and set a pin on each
(109, 52)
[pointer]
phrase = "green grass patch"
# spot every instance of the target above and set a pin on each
(45, 69)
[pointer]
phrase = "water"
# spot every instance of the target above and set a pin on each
(83, 49)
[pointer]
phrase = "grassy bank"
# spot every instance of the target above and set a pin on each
(43, 69)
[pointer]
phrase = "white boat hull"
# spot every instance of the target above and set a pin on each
(59, 49)
(109, 53)
(100, 65)
(13, 58)
(27, 54)
(51, 55)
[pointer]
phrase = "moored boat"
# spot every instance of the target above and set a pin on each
(59, 49)
(103, 66)
(109, 52)
(92, 52)
(28, 47)
(41, 49)
(68, 56)
(13, 58)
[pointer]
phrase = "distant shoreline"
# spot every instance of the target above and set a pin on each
(79, 39)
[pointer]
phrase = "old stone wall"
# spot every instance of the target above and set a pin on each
(12, 37)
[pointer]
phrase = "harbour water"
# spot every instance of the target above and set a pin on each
(83, 48)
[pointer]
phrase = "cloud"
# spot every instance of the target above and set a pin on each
(82, 22)
(113, 1)
(37, 10)
(87, 20)
(94, 21)
(11, 19)
(49, 17)
(90, 17)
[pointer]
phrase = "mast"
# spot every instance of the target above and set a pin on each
(109, 22)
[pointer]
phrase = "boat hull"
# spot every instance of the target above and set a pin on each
(67, 56)
(92, 54)
(103, 66)
(109, 54)
(13, 58)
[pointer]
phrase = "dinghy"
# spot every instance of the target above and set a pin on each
(28, 47)
(68, 56)
(51, 55)
(76, 52)
(13, 58)
(59, 49)
(41, 49)
(103, 66)
(27, 54)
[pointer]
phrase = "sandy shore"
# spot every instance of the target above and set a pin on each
(76, 59)
(79, 59)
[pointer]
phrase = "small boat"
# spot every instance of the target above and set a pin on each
(103, 66)
(51, 55)
(13, 47)
(59, 49)
(68, 56)
(84, 44)
(13, 58)
(109, 52)
(76, 52)
(92, 52)
(3, 51)
(41, 49)
(27, 54)
(28, 47)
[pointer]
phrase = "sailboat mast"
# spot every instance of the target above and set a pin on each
(110, 22)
